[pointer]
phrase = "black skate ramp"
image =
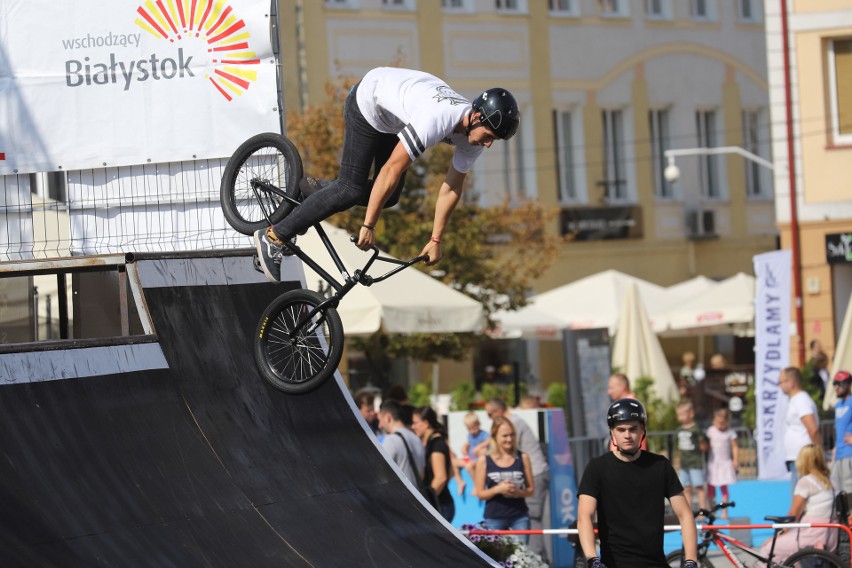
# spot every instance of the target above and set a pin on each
(200, 463)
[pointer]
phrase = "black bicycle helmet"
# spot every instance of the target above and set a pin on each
(499, 112)
(625, 410)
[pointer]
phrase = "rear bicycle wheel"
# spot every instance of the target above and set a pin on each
(263, 160)
(814, 558)
(302, 361)
(675, 557)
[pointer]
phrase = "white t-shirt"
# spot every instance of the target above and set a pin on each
(419, 108)
(819, 499)
(394, 446)
(795, 434)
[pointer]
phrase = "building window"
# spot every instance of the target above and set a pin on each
(658, 120)
(658, 9)
(511, 5)
(750, 11)
(398, 4)
(756, 141)
(617, 8)
(615, 167)
(454, 5)
(708, 166)
(840, 89)
(341, 3)
(701, 9)
(514, 168)
(563, 7)
(565, 160)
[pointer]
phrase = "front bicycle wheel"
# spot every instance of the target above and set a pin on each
(263, 164)
(298, 361)
(675, 558)
(814, 558)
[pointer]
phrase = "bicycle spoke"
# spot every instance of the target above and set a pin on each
(266, 165)
(296, 359)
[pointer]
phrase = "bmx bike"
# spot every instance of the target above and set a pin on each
(299, 338)
(734, 550)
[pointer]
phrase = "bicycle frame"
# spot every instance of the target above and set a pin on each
(727, 543)
(359, 276)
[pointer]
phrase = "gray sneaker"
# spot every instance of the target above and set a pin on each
(269, 255)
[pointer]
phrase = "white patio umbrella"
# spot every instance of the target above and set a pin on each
(590, 302)
(636, 349)
(408, 302)
(688, 289)
(842, 360)
(726, 307)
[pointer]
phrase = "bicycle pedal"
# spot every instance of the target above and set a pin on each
(256, 263)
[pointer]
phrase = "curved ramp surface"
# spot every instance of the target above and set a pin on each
(201, 463)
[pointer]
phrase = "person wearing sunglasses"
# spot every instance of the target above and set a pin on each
(390, 118)
(841, 457)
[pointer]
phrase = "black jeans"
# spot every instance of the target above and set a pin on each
(363, 147)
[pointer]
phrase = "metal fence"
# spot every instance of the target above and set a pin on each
(141, 208)
(665, 443)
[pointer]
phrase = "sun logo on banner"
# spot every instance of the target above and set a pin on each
(232, 64)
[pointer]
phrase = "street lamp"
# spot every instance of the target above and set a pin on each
(672, 172)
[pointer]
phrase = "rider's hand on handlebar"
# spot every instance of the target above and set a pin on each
(594, 562)
(433, 251)
(366, 239)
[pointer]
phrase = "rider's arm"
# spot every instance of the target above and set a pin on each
(813, 430)
(689, 534)
(448, 196)
(479, 481)
(797, 507)
(439, 472)
(530, 478)
(384, 185)
(586, 508)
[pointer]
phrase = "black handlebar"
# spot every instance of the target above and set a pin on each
(402, 264)
(718, 507)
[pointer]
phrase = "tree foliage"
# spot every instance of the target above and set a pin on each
(492, 254)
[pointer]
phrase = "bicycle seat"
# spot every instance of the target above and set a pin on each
(780, 520)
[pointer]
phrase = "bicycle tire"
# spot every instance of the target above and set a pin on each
(814, 558)
(269, 157)
(302, 364)
(675, 558)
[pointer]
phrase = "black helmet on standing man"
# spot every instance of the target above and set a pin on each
(626, 410)
(499, 112)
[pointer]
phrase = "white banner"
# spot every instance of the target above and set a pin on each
(772, 354)
(92, 84)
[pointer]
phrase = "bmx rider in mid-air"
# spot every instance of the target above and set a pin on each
(391, 117)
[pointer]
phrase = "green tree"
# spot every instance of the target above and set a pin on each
(491, 254)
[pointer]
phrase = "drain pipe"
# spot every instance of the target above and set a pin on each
(794, 208)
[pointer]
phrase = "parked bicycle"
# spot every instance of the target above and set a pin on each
(299, 339)
(735, 551)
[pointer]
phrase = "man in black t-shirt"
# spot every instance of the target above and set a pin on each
(627, 488)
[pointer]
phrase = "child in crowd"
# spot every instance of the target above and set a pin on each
(723, 456)
(476, 445)
(690, 447)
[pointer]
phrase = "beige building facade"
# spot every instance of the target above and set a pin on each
(820, 56)
(605, 87)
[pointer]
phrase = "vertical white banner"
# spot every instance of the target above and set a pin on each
(772, 354)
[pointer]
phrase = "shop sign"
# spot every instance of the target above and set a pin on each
(838, 248)
(601, 223)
